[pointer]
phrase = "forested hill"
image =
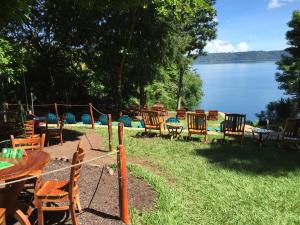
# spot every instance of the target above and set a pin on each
(240, 57)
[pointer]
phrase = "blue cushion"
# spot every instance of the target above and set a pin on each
(126, 120)
(103, 119)
(51, 118)
(86, 118)
(70, 118)
(172, 120)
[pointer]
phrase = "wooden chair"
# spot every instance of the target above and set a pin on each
(29, 128)
(197, 124)
(30, 143)
(234, 126)
(2, 216)
(199, 111)
(212, 115)
(55, 192)
(152, 120)
(55, 132)
(180, 114)
(160, 108)
(290, 134)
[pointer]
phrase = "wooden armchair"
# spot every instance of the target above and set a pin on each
(212, 115)
(55, 132)
(199, 111)
(2, 216)
(197, 124)
(152, 120)
(54, 192)
(34, 142)
(180, 114)
(290, 133)
(234, 126)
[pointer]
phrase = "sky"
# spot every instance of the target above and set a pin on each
(252, 25)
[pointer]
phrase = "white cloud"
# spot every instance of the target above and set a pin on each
(278, 3)
(217, 46)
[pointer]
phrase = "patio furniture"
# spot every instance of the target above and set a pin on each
(51, 118)
(260, 135)
(160, 108)
(54, 192)
(152, 120)
(234, 126)
(2, 216)
(199, 111)
(212, 115)
(197, 124)
(290, 134)
(103, 119)
(55, 132)
(126, 120)
(174, 129)
(70, 118)
(22, 167)
(34, 142)
(86, 118)
(181, 114)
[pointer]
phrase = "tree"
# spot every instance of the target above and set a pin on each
(289, 77)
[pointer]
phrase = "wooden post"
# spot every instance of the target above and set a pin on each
(110, 132)
(5, 111)
(92, 115)
(56, 113)
(122, 173)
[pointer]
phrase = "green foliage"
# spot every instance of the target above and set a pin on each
(289, 77)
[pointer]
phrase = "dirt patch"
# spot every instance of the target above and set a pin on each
(100, 205)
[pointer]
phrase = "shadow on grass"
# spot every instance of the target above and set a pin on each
(249, 158)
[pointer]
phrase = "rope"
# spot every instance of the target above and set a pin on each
(69, 105)
(98, 110)
(54, 171)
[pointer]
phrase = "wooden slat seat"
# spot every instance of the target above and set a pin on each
(234, 126)
(29, 128)
(197, 124)
(66, 191)
(152, 120)
(2, 216)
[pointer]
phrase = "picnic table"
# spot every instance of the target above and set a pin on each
(22, 167)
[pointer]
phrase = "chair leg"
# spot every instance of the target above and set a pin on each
(61, 139)
(78, 205)
(73, 215)
(40, 213)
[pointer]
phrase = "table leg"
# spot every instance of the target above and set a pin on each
(260, 140)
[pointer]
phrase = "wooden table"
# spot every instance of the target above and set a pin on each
(35, 160)
(262, 135)
(174, 129)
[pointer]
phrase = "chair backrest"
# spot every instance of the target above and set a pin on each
(199, 111)
(292, 128)
(151, 118)
(180, 113)
(234, 123)
(78, 157)
(196, 121)
(213, 114)
(31, 143)
(29, 128)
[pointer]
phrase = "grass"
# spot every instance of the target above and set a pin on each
(216, 184)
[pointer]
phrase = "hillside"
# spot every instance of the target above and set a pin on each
(240, 57)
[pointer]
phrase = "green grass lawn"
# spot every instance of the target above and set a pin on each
(216, 184)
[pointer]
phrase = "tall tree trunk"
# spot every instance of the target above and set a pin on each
(180, 85)
(121, 67)
(142, 94)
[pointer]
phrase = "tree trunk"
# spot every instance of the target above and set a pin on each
(180, 85)
(142, 95)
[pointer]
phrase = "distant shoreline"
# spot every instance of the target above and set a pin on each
(240, 62)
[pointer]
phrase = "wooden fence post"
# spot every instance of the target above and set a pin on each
(56, 113)
(92, 115)
(110, 132)
(122, 173)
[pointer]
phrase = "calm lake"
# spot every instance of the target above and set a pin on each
(238, 88)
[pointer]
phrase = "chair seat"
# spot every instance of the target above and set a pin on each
(291, 139)
(194, 131)
(152, 126)
(54, 190)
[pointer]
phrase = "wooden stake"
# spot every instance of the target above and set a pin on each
(110, 132)
(56, 112)
(122, 172)
(92, 115)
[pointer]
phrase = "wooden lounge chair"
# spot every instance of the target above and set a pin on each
(290, 134)
(55, 132)
(199, 111)
(212, 115)
(160, 108)
(197, 124)
(2, 216)
(152, 120)
(234, 126)
(180, 114)
(54, 192)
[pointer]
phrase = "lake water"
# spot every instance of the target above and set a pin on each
(239, 88)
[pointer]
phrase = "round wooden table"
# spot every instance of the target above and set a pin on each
(174, 130)
(34, 161)
(262, 135)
